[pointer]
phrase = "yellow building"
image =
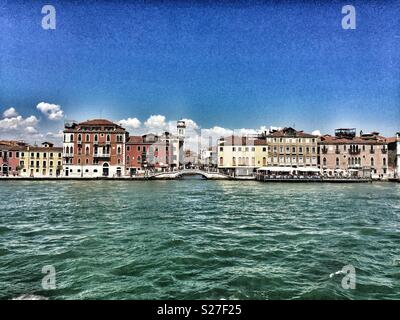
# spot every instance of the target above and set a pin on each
(240, 156)
(45, 161)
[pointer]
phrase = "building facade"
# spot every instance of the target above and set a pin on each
(398, 156)
(94, 148)
(241, 156)
(11, 157)
(345, 153)
(291, 148)
(44, 161)
(147, 153)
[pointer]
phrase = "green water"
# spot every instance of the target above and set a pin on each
(199, 239)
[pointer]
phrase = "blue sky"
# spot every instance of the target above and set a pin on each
(232, 64)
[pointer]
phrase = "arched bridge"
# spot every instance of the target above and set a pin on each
(189, 172)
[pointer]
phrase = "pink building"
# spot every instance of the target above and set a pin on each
(345, 153)
(11, 155)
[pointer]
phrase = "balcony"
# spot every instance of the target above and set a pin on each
(354, 151)
(101, 155)
(324, 150)
(372, 151)
(384, 151)
(68, 155)
(337, 151)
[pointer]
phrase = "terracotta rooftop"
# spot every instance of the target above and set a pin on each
(328, 139)
(99, 122)
(290, 132)
(135, 139)
(391, 139)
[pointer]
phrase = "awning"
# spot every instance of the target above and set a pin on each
(276, 169)
(308, 169)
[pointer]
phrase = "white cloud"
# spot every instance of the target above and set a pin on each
(190, 124)
(155, 122)
(18, 122)
(316, 133)
(52, 111)
(30, 130)
(10, 113)
(133, 123)
(56, 135)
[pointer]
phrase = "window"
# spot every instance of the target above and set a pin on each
(221, 149)
(324, 161)
(138, 148)
(264, 161)
(221, 161)
(87, 138)
(234, 161)
(233, 149)
(119, 150)
(337, 162)
(264, 149)
(128, 148)
(71, 139)
(384, 161)
(372, 161)
(79, 137)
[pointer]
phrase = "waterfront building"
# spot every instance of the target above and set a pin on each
(43, 161)
(209, 158)
(240, 156)
(398, 156)
(293, 149)
(152, 152)
(94, 148)
(11, 157)
(345, 153)
(392, 156)
(147, 153)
